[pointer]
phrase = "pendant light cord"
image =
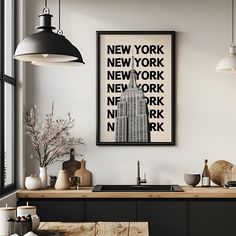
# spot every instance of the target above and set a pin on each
(232, 22)
(59, 14)
(46, 9)
(60, 32)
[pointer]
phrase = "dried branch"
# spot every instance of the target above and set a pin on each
(51, 138)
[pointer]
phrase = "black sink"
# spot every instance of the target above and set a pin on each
(137, 188)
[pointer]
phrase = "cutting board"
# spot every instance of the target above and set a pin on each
(84, 174)
(72, 165)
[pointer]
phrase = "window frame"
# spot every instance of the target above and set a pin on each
(12, 81)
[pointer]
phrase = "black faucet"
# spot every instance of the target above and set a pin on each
(139, 180)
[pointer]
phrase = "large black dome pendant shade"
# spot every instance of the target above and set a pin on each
(45, 45)
(77, 62)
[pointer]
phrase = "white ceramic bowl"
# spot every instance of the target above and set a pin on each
(32, 182)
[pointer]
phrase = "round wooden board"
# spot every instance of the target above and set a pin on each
(217, 170)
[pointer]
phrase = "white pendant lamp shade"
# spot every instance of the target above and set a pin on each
(228, 64)
(46, 46)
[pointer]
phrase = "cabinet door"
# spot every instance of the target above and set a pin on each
(110, 210)
(212, 217)
(67, 210)
(165, 217)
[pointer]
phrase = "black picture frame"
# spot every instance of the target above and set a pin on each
(161, 38)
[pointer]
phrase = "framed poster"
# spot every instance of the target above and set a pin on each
(135, 88)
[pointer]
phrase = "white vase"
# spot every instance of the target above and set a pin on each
(43, 176)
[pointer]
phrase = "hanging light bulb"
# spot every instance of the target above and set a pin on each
(45, 45)
(79, 61)
(228, 64)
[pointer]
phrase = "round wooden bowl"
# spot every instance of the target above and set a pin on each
(216, 171)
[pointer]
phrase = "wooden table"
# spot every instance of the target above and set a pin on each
(93, 229)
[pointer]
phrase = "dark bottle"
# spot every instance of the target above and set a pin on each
(206, 181)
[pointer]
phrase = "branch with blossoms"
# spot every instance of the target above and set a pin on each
(50, 138)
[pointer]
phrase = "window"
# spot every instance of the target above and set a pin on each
(7, 97)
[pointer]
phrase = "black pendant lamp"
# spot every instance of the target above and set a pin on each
(45, 45)
(79, 61)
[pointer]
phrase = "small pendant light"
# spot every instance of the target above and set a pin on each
(79, 61)
(228, 64)
(45, 45)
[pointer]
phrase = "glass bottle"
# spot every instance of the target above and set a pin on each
(206, 181)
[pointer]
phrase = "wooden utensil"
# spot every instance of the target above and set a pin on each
(216, 170)
(84, 174)
(72, 165)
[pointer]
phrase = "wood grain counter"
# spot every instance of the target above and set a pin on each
(189, 192)
(94, 229)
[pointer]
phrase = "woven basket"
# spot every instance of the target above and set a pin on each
(217, 169)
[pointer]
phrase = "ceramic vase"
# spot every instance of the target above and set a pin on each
(43, 176)
(62, 182)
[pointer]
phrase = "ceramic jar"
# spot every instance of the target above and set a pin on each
(32, 182)
(44, 177)
(62, 182)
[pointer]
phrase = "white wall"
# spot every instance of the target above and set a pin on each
(10, 200)
(206, 111)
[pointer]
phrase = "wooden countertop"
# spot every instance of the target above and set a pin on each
(189, 192)
(94, 228)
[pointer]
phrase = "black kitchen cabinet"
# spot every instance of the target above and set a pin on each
(67, 210)
(212, 217)
(110, 210)
(165, 217)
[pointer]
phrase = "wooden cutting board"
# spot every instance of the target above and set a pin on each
(72, 165)
(84, 174)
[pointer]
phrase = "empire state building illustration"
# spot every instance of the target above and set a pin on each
(132, 113)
